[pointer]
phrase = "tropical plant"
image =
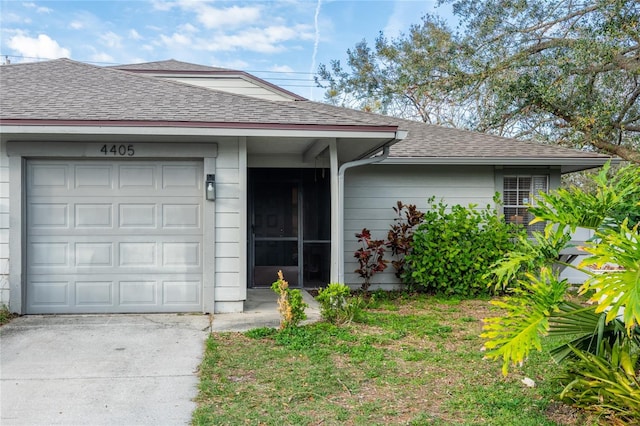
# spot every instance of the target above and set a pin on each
(602, 335)
(370, 257)
(515, 334)
(607, 383)
(400, 236)
(290, 303)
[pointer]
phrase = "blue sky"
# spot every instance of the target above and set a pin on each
(281, 41)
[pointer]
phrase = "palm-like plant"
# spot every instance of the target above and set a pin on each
(538, 305)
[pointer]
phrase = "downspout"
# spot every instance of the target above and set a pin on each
(341, 171)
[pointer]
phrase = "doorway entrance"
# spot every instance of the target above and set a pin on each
(289, 226)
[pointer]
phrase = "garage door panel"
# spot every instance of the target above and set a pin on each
(48, 215)
(135, 215)
(93, 215)
(181, 292)
(93, 177)
(49, 176)
(49, 254)
(94, 293)
(181, 216)
(181, 176)
(49, 293)
(94, 255)
(137, 177)
(115, 236)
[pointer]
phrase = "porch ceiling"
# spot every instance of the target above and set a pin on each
(349, 149)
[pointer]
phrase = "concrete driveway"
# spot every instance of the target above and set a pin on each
(100, 369)
(115, 369)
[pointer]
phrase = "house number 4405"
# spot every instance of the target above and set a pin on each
(120, 150)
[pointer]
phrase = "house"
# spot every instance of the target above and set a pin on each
(174, 187)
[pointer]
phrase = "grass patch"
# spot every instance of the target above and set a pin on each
(414, 361)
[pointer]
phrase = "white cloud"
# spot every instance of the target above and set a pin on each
(39, 9)
(233, 16)
(13, 18)
(76, 25)
(175, 40)
(263, 40)
(38, 47)
(111, 39)
(281, 68)
(102, 57)
(187, 28)
(134, 35)
(163, 5)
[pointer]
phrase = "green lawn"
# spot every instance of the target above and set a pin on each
(413, 360)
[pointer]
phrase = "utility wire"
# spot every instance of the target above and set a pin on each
(255, 72)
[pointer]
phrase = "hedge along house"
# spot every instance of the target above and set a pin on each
(173, 187)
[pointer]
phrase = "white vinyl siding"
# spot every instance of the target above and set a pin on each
(371, 192)
(229, 249)
(518, 192)
(4, 225)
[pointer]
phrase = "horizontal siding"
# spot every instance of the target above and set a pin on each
(228, 204)
(234, 85)
(371, 192)
(4, 225)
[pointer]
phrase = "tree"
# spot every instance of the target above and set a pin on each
(559, 71)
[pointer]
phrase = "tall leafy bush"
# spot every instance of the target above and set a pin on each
(454, 248)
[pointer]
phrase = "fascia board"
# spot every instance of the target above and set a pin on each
(191, 131)
(568, 164)
(531, 161)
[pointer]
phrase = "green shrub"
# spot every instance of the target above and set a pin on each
(337, 306)
(290, 303)
(453, 248)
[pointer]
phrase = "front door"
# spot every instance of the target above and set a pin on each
(289, 226)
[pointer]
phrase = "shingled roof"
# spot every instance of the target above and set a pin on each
(169, 65)
(67, 91)
(174, 67)
(428, 141)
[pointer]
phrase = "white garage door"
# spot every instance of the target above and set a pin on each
(114, 236)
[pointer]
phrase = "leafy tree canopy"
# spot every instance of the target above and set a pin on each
(559, 71)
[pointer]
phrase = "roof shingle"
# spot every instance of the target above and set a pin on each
(67, 90)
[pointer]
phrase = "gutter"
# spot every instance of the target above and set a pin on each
(400, 135)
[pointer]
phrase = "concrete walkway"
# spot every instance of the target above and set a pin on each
(113, 369)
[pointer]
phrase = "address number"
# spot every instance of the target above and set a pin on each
(118, 150)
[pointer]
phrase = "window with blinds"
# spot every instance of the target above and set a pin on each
(518, 192)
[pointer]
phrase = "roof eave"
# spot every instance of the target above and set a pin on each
(31, 127)
(566, 164)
